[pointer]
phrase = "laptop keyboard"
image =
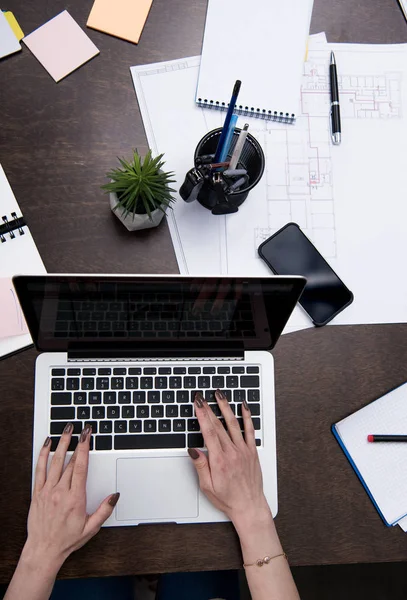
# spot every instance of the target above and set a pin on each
(145, 407)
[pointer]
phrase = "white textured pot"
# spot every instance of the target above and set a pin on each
(138, 221)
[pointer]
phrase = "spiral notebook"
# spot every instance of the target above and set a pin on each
(18, 254)
(381, 467)
(261, 42)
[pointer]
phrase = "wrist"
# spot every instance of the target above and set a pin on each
(252, 519)
(40, 562)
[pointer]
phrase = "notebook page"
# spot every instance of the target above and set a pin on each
(264, 47)
(383, 466)
(18, 256)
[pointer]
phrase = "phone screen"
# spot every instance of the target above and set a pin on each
(290, 252)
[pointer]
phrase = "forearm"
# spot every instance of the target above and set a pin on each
(258, 538)
(32, 578)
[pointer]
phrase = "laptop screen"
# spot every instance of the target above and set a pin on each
(66, 312)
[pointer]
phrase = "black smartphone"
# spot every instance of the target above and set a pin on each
(290, 252)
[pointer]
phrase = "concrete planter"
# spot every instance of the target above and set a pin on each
(138, 221)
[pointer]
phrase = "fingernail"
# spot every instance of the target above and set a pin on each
(199, 400)
(193, 453)
(85, 433)
(47, 442)
(113, 500)
(68, 428)
(221, 395)
(246, 405)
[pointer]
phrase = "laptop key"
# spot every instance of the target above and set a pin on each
(209, 370)
(204, 382)
(195, 440)
(143, 412)
(194, 370)
(178, 425)
(80, 397)
(182, 396)
(119, 371)
(93, 424)
(252, 369)
(168, 397)
(249, 381)
(124, 397)
(239, 395)
(175, 382)
(193, 425)
(61, 398)
(131, 383)
(87, 383)
(253, 395)
(63, 413)
(223, 370)
(89, 371)
(209, 396)
(218, 381)
(102, 383)
(95, 397)
(258, 442)
(128, 412)
(57, 427)
(98, 412)
(186, 411)
(161, 383)
(105, 427)
(215, 409)
(157, 412)
(72, 445)
(232, 381)
(58, 383)
(135, 426)
(149, 371)
(149, 441)
(134, 371)
(171, 411)
(255, 409)
(150, 426)
(180, 370)
(58, 372)
(164, 425)
(83, 412)
(164, 371)
(104, 371)
(189, 382)
(146, 383)
(109, 397)
(256, 424)
(113, 412)
(139, 397)
(74, 372)
(117, 383)
(103, 442)
(153, 397)
(237, 370)
(120, 427)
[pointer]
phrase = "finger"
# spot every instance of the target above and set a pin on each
(230, 419)
(41, 468)
(201, 465)
(66, 478)
(80, 467)
(249, 433)
(208, 428)
(57, 462)
(96, 520)
(223, 435)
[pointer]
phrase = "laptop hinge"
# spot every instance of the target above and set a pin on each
(179, 352)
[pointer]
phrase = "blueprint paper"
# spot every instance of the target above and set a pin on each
(349, 199)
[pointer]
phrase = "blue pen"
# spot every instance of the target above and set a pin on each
(229, 114)
(228, 138)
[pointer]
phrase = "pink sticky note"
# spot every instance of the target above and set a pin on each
(61, 45)
(12, 320)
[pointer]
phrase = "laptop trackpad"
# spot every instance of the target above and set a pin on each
(156, 488)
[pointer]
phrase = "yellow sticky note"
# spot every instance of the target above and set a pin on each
(12, 21)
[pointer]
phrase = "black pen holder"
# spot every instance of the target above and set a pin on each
(251, 159)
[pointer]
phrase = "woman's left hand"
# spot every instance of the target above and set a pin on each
(57, 522)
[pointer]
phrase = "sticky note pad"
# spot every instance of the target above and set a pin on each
(8, 41)
(61, 46)
(123, 18)
(12, 21)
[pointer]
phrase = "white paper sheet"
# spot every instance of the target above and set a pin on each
(349, 199)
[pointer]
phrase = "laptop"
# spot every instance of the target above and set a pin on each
(128, 354)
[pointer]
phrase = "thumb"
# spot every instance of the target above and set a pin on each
(202, 468)
(101, 515)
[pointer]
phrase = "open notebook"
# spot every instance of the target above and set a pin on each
(381, 467)
(18, 253)
(262, 43)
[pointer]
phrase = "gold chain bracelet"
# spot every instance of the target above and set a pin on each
(265, 561)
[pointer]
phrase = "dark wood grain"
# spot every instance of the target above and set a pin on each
(56, 143)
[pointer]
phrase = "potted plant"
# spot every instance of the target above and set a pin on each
(139, 191)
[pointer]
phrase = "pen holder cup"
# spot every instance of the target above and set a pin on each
(251, 159)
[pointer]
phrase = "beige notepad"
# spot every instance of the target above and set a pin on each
(123, 18)
(61, 45)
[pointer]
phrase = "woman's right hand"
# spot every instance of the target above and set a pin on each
(231, 474)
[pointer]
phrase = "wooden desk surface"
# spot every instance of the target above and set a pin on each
(56, 143)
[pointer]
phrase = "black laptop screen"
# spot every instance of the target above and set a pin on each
(67, 312)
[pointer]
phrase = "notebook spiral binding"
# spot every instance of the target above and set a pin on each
(246, 111)
(8, 227)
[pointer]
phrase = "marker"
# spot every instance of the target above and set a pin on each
(387, 438)
(234, 172)
(229, 114)
(239, 147)
(228, 138)
(335, 109)
(237, 184)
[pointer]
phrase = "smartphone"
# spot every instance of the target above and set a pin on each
(290, 252)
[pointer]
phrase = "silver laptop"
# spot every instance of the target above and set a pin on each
(128, 353)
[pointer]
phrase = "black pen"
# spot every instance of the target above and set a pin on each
(387, 438)
(335, 109)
